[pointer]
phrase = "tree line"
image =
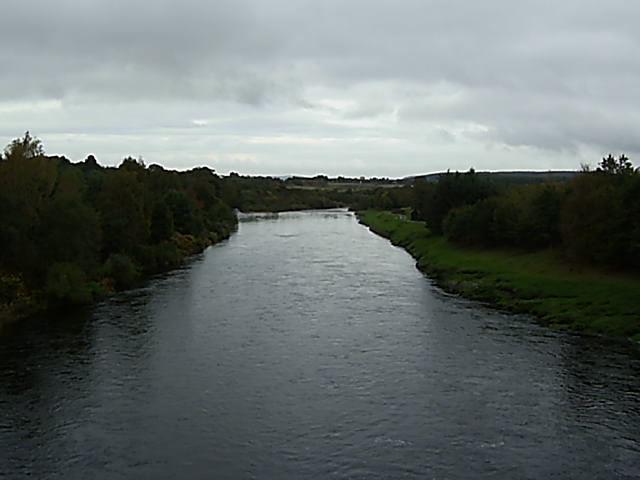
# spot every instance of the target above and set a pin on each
(260, 194)
(73, 232)
(593, 218)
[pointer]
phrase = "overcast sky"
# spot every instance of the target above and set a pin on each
(336, 87)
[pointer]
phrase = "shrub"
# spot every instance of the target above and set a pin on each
(11, 287)
(166, 256)
(124, 272)
(471, 224)
(67, 284)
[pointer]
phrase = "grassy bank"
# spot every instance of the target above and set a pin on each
(534, 283)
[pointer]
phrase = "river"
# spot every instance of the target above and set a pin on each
(306, 347)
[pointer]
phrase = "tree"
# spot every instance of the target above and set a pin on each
(66, 284)
(121, 208)
(615, 166)
(452, 190)
(27, 182)
(593, 220)
(69, 231)
(25, 147)
(182, 210)
(132, 165)
(161, 227)
(90, 163)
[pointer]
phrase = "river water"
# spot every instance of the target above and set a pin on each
(307, 347)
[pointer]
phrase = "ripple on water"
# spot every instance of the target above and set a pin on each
(307, 347)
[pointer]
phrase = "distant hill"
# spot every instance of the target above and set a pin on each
(509, 177)
(514, 177)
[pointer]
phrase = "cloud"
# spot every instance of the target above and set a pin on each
(445, 78)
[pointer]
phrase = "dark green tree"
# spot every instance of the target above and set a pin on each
(161, 223)
(122, 212)
(615, 166)
(27, 146)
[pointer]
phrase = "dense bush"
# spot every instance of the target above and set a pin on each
(67, 284)
(122, 271)
(593, 218)
(433, 201)
(600, 219)
(471, 224)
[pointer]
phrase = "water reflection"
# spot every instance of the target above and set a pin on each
(325, 213)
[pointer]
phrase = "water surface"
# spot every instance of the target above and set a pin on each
(307, 347)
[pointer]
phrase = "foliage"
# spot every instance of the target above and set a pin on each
(524, 217)
(471, 224)
(122, 271)
(121, 208)
(11, 287)
(24, 148)
(600, 220)
(593, 218)
(250, 194)
(538, 283)
(162, 226)
(615, 166)
(75, 231)
(67, 284)
(15, 298)
(433, 202)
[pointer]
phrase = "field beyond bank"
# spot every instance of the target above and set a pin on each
(540, 283)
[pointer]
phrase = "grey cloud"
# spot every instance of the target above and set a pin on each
(472, 43)
(556, 121)
(548, 75)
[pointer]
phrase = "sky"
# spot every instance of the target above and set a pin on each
(336, 87)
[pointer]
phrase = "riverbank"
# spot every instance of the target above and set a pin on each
(537, 283)
(18, 302)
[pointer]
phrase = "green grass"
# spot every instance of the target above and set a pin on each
(538, 283)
